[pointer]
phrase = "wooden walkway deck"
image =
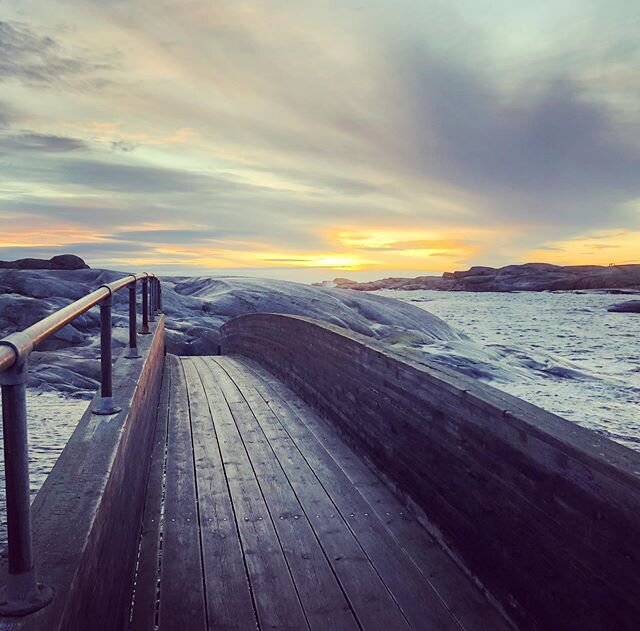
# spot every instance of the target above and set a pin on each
(259, 516)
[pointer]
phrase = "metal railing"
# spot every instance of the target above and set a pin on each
(23, 593)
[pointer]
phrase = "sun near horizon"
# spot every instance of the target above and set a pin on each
(309, 140)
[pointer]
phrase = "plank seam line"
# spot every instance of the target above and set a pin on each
(163, 379)
(284, 556)
(313, 530)
(339, 512)
(195, 484)
(254, 367)
(327, 425)
(233, 507)
(364, 499)
(162, 500)
(311, 431)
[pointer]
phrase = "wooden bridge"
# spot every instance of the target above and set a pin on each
(309, 478)
(269, 519)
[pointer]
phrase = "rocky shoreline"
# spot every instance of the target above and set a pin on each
(196, 308)
(526, 277)
(632, 306)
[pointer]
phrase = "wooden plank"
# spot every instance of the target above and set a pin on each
(228, 596)
(182, 601)
(371, 602)
(324, 604)
(449, 482)
(463, 599)
(143, 614)
(87, 516)
(407, 588)
(277, 603)
(401, 576)
(508, 485)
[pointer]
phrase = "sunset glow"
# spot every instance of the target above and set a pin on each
(342, 136)
(620, 246)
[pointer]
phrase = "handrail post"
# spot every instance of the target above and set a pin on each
(22, 594)
(159, 295)
(157, 300)
(145, 307)
(132, 351)
(105, 403)
(152, 301)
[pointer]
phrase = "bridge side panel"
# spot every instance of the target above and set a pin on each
(87, 515)
(543, 512)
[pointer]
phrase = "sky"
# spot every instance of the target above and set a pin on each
(312, 139)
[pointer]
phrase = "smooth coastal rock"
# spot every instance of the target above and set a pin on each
(527, 277)
(631, 306)
(196, 308)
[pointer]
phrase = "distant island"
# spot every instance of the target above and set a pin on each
(526, 277)
(60, 262)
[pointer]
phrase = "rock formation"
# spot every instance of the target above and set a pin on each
(527, 277)
(60, 262)
(196, 308)
(631, 306)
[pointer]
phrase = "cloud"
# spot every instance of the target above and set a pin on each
(123, 145)
(111, 176)
(38, 143)
(39, 59)
(7, 115)
(422, 244)
(170, 235)
(547, 153)
(101, 175)
(603, 246)
(276, 126)
(92, 249)
(592, 247)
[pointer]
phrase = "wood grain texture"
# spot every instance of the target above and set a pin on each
(227, 590)
(143, 613)
(409, 590)
(87, 515)
(277, 601)
(320, 446)
(182, 600)
(301, 513)
(282, 539)
(525, 498)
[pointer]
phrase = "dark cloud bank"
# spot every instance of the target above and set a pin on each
(547, 152)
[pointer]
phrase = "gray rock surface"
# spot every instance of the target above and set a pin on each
(195, 309)
(527, 277)
(631, 306)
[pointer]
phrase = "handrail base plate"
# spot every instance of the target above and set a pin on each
(106, 406)
(42, 596)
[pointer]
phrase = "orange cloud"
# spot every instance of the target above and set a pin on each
(17, 236)
(116, 132)
(597, 248)
(412, 249)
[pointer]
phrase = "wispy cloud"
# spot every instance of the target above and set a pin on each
(38, 143)
(548, 154)
(261, 133)
(39, 59)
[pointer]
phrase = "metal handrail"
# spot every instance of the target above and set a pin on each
(23, 594)
(22, 343)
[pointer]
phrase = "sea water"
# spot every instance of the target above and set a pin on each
(51, 420)
(562, 351)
